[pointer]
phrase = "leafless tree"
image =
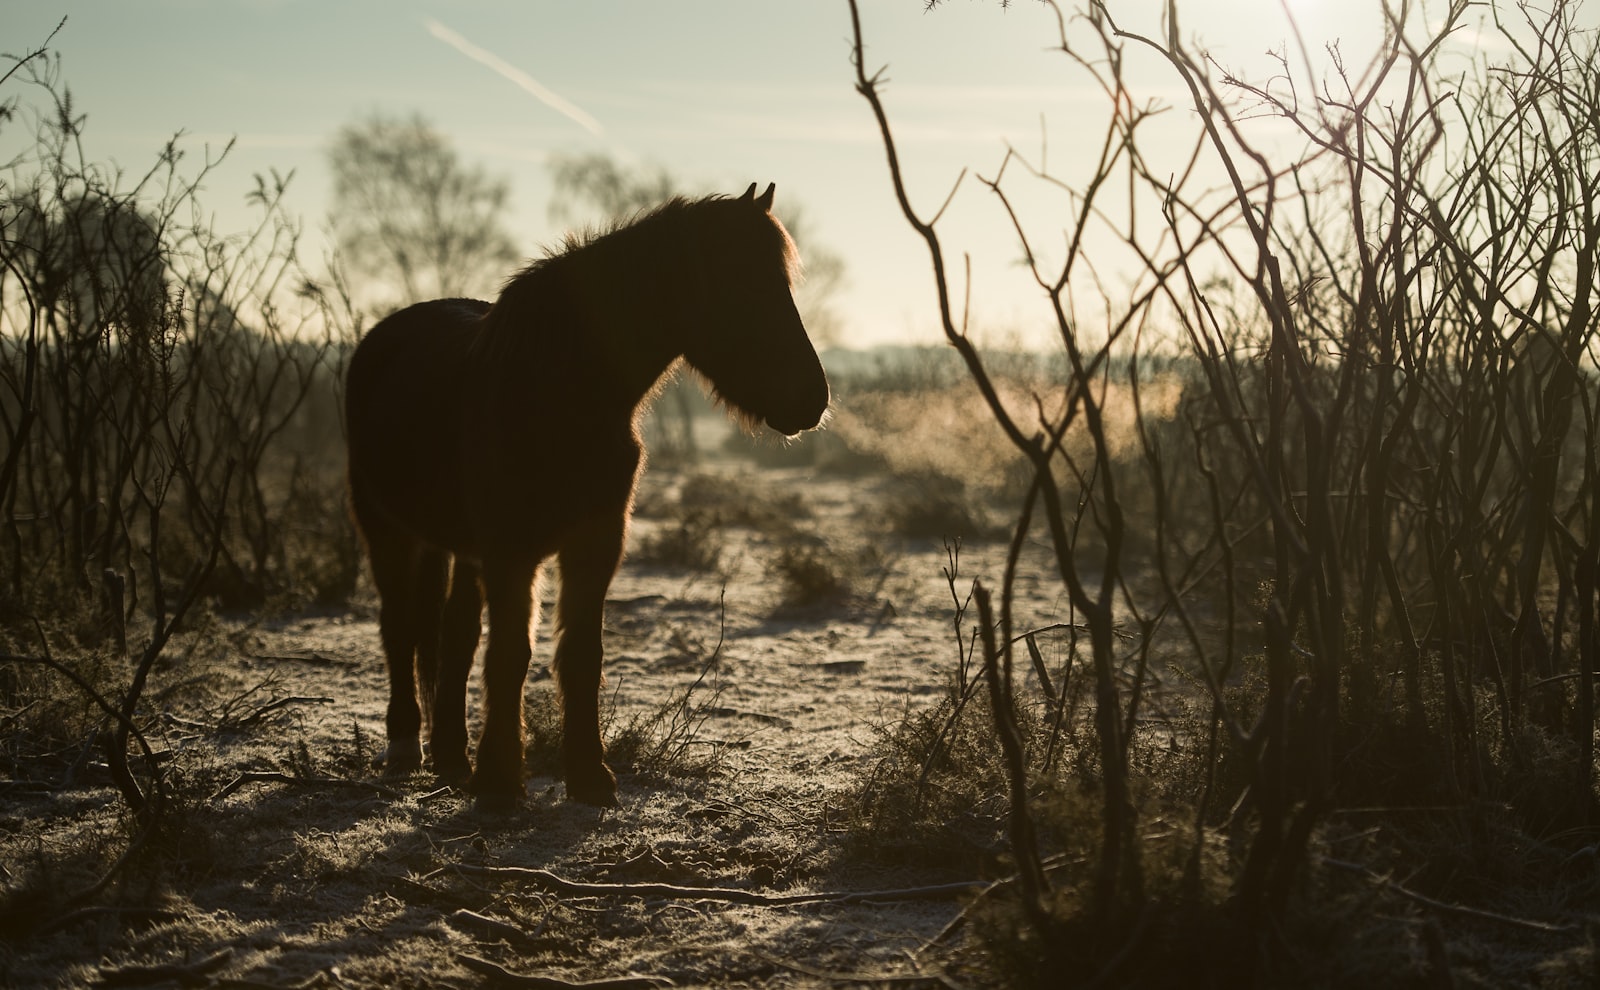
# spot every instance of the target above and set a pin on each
(411, 218)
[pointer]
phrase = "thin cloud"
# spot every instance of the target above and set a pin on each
(516, 75)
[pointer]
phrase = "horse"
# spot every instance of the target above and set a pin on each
(485, 439)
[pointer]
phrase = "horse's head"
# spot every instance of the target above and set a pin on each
(749, 341)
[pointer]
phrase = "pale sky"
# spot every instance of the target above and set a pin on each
(720, 92)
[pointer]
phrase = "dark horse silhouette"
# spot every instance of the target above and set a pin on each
(486, 438)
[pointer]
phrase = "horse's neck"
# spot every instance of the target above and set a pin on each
(636, 323)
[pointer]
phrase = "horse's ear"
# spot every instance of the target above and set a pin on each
(750, 193)
(765, 202)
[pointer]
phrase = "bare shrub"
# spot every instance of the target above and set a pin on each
(668, 741)
(733, 500)
(691, 531)
(810, 572)
(664, 742)
(691, 540)
(929, 796)
(1330, 456)
(944, 432)
(150, 371)
(938, 507)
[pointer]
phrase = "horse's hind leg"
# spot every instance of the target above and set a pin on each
(396, 566)
(430, 581)
(588, 562)
(458, 640)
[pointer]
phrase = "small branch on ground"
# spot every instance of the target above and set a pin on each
(192, 974)
(500, 975)
(483, 926)
(575, 888)
(315, 980)
(1050, 863)
(95, 911)
(312, 657)
(273, 776)
(1448, 908)
(272, 706)
(853, 978)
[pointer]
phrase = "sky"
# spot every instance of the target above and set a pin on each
(721, 93)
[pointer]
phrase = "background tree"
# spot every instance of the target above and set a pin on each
(409, 216)
(602, 184)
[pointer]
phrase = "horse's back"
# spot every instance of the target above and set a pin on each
(416, 342)
(403, 404)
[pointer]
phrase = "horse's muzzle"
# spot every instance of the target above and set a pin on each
(793, 424)
(802, 414)
(792, 429)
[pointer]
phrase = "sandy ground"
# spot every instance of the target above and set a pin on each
(277, 883)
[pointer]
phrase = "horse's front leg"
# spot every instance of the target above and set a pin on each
(589, 560)
(509, 591)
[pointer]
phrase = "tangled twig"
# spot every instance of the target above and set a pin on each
(276, 777)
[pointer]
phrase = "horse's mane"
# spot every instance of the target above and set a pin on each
(644, 245)
(637, 234)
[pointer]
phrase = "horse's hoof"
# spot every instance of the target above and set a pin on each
(495, 796)
(453, 775)
(598, 791)
(496, 803)
(399, 760)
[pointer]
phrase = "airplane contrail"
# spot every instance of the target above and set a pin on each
(516, 75)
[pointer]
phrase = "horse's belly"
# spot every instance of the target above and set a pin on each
(421, 501)
(525, 491)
